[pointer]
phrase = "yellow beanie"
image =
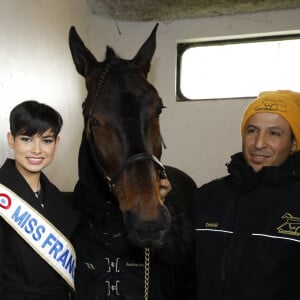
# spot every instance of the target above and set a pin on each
(282, 102)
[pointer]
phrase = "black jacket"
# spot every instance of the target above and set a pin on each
(23, 274)
(247, 228)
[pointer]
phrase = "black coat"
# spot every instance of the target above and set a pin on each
(247, 228)
(109, 266)
(23, 274)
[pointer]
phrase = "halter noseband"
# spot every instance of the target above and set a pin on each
(111, 181)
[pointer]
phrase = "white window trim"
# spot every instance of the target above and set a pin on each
(211, 81)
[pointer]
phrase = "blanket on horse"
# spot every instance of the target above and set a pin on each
(109, 266)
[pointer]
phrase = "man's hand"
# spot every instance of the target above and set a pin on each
(165, 188)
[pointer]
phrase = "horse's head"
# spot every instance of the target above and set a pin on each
(121, 120)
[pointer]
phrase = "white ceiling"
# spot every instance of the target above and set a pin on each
(168, 10)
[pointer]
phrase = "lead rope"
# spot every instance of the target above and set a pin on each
(147, 273)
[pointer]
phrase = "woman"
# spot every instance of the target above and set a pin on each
(36, 259)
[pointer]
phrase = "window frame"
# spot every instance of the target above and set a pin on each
(182, 46)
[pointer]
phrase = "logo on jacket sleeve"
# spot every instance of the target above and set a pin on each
(290, 226)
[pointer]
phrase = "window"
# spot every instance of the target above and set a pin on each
(237, 67)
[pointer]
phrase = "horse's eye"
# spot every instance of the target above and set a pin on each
(94, 121)
(159, 111)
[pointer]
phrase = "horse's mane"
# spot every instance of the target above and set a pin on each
(91, 187)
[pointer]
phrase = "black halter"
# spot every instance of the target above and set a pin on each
(111, 181)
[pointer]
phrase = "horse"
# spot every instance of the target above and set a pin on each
(130, 244)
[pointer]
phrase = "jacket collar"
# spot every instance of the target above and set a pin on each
(242, 174)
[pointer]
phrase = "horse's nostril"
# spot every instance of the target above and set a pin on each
(143, 232)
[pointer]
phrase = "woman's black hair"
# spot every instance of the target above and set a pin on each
(31, 118)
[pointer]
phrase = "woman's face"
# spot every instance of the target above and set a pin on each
(33, 153)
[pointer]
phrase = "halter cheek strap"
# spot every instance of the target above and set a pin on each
(137, 157)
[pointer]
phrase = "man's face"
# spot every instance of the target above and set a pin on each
(267, 140)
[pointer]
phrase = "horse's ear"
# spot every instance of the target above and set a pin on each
(82, 56)
(144, 56)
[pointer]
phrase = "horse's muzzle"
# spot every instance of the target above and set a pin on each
(150, 232)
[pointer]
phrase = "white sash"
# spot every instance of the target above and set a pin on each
(39, 233)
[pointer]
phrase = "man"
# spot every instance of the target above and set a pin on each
(247, 224)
